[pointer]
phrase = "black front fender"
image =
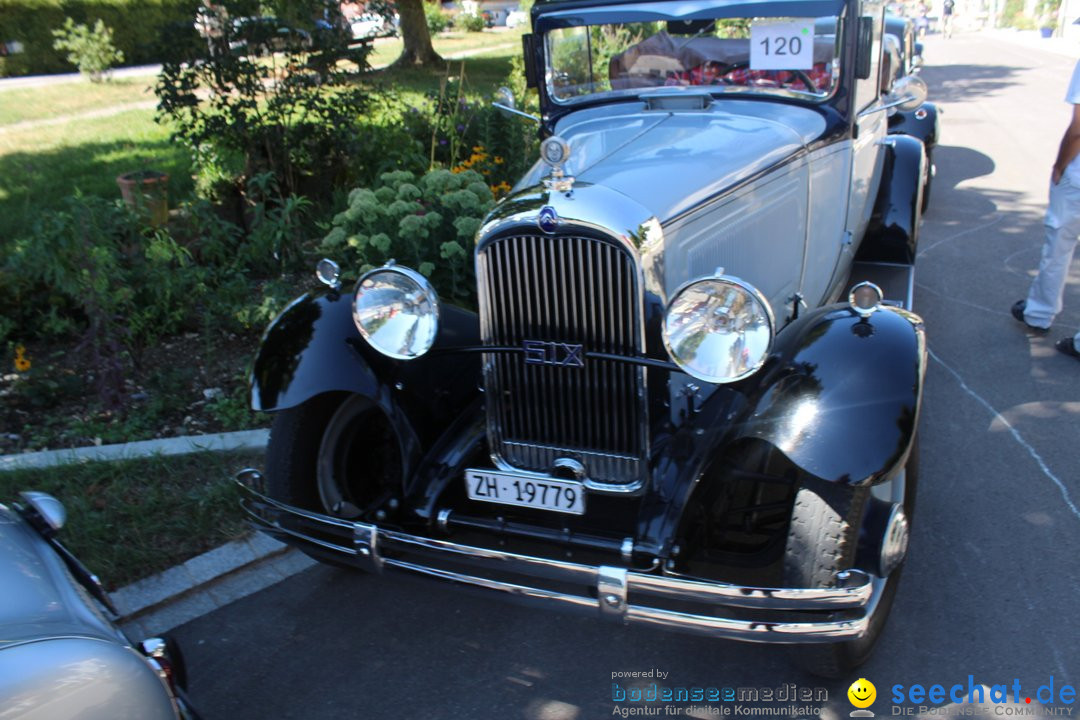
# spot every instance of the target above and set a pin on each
(839, 400)
(922, 123)
(313, 347)
(843, 402)
(305, 352)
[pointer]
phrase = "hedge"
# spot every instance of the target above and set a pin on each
(139, 27)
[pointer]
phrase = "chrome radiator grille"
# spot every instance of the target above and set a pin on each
(551, 294)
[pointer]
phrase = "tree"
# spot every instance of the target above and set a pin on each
(418, 50)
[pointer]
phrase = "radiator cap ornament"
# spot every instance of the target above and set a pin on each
(554, 152)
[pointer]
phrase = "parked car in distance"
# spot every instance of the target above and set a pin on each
(61, 658)
(372, 25)
(516, 18)
(923, 121)
(262, 35)
(689, 398)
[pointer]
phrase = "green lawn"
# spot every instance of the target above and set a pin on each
(483, 75)
(128, 520)
(450, 43)
(41, 165)
(50, 101)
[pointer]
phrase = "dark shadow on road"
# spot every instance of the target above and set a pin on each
(956, 164)
(957, 83)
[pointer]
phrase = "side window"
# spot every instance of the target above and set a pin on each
(866, 91)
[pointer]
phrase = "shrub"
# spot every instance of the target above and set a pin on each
(464, 134)
(470, 22)
(138, 29)
(91, 50)
(117, 279)
(294, 117)
(428, 223)
(437, 20)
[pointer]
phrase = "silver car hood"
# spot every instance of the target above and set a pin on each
(38, 597)
(671, 161)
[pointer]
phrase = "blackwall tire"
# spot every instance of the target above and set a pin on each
(292, 451)
(334, 454)
(822, 540)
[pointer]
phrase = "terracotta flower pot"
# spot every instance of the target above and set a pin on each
(147, 193)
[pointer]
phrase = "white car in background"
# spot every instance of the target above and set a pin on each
(517, 18)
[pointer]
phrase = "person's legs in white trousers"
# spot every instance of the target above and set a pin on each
(1062, 222)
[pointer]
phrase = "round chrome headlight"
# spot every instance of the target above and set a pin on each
(397, 311)
(719, 329)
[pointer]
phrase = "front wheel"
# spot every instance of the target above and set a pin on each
(334, 454)
(823, 539)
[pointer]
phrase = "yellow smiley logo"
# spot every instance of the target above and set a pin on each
(862, 693)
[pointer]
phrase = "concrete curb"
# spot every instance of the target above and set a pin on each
(243, 440)
(157, 604)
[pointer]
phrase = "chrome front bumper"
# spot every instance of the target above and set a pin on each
(615, 593)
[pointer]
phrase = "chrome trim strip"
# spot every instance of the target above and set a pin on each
(511, 588)
(755, 597)
(750, 630)
(613, 586)
(496, 559)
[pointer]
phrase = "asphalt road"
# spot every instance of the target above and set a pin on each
(993, 578)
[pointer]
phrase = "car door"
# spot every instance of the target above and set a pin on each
(871, 126)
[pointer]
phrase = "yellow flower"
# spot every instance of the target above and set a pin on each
(22, 363)
(498, 160)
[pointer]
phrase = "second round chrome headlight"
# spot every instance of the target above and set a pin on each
(397, 311)
(719, 329)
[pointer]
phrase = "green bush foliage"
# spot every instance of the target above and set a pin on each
(139, 29)
(295, 116)
(427, 223)
(89, 49)
(120, 286)
(472, 135)
(437, 20)
(470, 22)
(121, 283)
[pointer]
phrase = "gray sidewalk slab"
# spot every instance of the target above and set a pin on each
(243, 440)
(38, 80)
(157, 604)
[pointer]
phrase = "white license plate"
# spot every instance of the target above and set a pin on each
(557, 495)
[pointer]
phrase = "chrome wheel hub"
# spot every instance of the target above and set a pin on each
(894, 542)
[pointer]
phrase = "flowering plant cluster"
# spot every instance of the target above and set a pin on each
(490, 166)
(427, 223)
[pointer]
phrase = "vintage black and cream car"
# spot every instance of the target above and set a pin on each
(690, 396)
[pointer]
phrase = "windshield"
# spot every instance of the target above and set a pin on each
(787, 56)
